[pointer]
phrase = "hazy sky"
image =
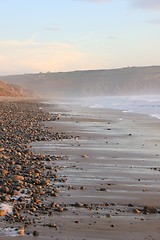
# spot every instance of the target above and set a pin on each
(66, 35)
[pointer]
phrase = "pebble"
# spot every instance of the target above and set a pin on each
(35, 233)
(21, 231)
(149, 209)
(2, 213)
(84, 156)
(136, 210)
(102, 189)
(113, 225)
(78, 204)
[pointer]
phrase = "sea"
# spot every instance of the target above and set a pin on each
(143, 104)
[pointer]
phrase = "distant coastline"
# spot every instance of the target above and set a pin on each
(111, 82)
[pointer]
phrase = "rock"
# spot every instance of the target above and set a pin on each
(149, 209)
(5, 198)
(52, 225)
(130, 205)
(6, 189)
(113, 225)
(17, 178)
(35, 233)
(102, 189)
(84, 156)
(16, 193)
(78, 204)
(60, 209)
(2, 213)
(136, 210)
(4, 172)
(21, 231)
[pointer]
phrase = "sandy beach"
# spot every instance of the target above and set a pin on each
(107, 168)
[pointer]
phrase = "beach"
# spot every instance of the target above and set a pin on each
(99, 170)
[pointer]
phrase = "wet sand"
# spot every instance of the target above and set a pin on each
(110, 175)
(112, 166)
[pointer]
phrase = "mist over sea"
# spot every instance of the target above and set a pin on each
(144, 104)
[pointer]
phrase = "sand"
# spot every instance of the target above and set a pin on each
(112, 173)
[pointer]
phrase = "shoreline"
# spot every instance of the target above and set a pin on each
(109, 175)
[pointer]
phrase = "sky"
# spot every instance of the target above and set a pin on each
(67, 35)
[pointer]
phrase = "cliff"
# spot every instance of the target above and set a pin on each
(124, 81)
(11, 90)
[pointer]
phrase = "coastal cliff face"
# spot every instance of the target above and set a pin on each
(124, 81)
(11, 90)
